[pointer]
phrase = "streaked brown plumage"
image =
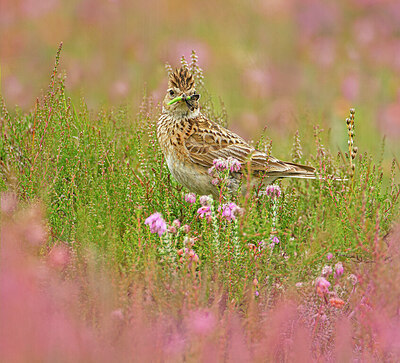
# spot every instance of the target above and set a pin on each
(190, 142)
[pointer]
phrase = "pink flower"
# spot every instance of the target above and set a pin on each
(338, 270)
(172, 229)
(273, 191)
(59, 257)
(190, 198)
(275, 240)
(176, 223)
(327, 270)
(322, 286)
(202, 322)
(233, 164)
(205, 200)
(204, 212)
(215, 181)
(189, 254)
(156, 224)
(336, 302)
(353, 279)
(186, 228)
(220, 164)
(329, 256)
(229, 211)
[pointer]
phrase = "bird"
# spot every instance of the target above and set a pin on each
(191, 143)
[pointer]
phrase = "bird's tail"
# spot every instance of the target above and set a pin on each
(298, 171)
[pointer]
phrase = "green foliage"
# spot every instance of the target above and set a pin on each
(101, 175)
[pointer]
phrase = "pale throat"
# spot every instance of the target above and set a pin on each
(182, 113)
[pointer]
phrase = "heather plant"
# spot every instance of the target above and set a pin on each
(119, 252)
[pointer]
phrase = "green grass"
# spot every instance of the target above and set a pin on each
(99, 175)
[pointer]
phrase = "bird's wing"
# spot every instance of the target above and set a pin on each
(208, 141)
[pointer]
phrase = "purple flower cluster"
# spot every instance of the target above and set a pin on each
(231, 164)
(229, 211)
(326, 271)
(204, 212)
(190, 198)
(274, 241)
(220, 164)
(273, 191)
(189, 253)
(156, 224)
(205, 200)
(338, 270)
(322, 286)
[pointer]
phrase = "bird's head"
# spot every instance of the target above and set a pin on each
(181, 97)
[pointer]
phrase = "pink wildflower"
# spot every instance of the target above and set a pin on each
(202, 322)
(322, 286)
(156, 224)
(220, 164)
(327, 270)
(233, 164)
(273, 191)
(59, 257)
(204, 212)
(190, 198)
(329, 256)
(190, 255)
(338, 270)
(229, 211)
(336, 302)
(172, 229)
(205, 200)
(275, 240)
(186, 228)
(353, 279)
(215, 181)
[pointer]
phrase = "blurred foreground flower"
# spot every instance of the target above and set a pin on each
(59, 257)
(336, 302)
(202, 322)
(156, 224)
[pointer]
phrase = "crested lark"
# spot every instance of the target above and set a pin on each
(190, 142)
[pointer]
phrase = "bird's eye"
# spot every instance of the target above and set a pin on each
(171, 93)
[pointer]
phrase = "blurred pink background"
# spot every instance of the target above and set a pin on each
(281, 64)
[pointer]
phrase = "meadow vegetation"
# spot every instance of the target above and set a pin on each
(307, 269)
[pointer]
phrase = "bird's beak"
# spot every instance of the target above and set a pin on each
(185, 98)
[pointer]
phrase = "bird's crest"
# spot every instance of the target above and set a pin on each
(181, 79)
